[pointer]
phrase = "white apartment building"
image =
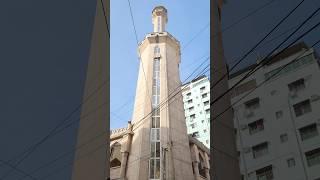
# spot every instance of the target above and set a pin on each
(196, 100)
(278, 123)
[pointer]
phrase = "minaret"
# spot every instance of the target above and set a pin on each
(160, 145)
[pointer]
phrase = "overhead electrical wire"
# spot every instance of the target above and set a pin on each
(265, 60)
(258, 43)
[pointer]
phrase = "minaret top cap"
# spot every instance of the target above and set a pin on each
(159, 8)
(159, 18)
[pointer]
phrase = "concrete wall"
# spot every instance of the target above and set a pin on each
(91, 159)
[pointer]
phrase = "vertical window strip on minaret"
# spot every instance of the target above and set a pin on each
(154, 163)
(159, 24)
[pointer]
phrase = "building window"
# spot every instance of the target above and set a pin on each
(279, 114)
(156, 50)
(192, 116)
(206, 103)
(191, 108)
(252, 104)
(284, 138)
(204, 95)
(154, 161)
(291, 162)
(308, 132)
(260, 150)
(264, 173)
(189, 101)
(159, 23)
(195, 134)
(313, 157)
(302, 108)
(204, 130)
(207, 111)
(296, 85)
(202, 89)
(202, 121)
(189, 94)
(256, 126)
(193, 125)
(207, 141)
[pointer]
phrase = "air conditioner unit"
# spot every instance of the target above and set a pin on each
(315, 97)
(246, 149)
(293, 94)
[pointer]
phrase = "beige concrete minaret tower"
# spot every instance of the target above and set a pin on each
(160, 145)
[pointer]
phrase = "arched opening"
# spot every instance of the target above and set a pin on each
(115, 155)
(115, 163)
(201, 166)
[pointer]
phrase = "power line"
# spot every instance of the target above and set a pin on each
(32, 148)
(105, 103)
(265, 60)
(18, 170)
(246, 16)
(257, 44)
(61, 156)
(231, 25)
(207, 25)
(137, 41)
(105, 17)
(233, 104)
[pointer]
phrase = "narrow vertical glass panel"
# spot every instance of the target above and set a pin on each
(157, 169)
(157, 122)
(157, 149)
(154, 90)
(158, 90)
(153, 122)
(154, 82)
(156, 49)
(153, 134)
(158, 99)
(153, 146)
(158, 134)
(152, 161)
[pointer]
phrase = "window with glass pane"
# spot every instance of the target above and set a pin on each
(256, 126)
(302, 108)
(260, 150)
(296, 85)
(265, 173)
(313, 157)
(154, 163)
(308, 132)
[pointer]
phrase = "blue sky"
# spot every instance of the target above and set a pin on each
(185, 20)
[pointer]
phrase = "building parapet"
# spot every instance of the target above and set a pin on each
(117, 131)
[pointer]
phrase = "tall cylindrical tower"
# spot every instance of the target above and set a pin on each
(160, 145)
